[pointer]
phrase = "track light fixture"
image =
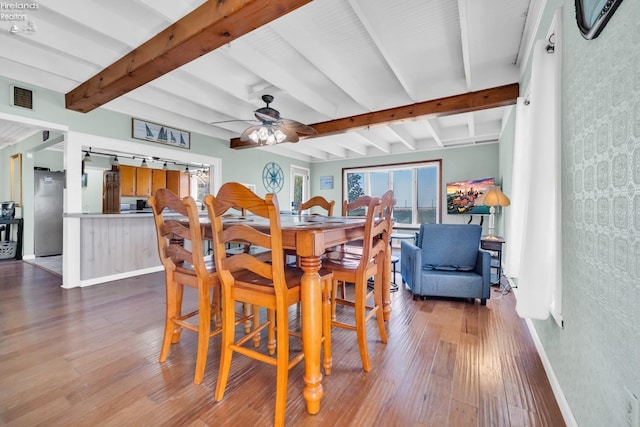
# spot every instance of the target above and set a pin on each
(115, 159)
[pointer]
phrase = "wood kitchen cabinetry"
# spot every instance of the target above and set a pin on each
(111, 192)
(158, 180)
(179, 183)
(143, 182)
(135, 182)
(132, 181)
(128, 181)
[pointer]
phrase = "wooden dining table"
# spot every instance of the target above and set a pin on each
(310, 236)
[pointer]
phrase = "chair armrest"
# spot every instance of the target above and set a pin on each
(483, 267)
(410, 262)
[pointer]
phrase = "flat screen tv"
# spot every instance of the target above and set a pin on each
(462, 196)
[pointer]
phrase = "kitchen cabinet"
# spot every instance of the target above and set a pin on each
(179, 183)
(128, 181)
(158, 180)
(143, 182)
(111, 192)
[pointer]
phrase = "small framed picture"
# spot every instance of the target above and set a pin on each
(326, 182)
(161, 134)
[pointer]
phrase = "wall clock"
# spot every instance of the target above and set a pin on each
(272, 177)
(593, 15)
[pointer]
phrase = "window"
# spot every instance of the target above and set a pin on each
(416, 188)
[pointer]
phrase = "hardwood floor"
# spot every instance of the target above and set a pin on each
(90, 357)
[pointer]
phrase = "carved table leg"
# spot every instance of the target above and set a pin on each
(311, 289)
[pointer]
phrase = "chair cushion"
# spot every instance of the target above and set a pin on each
(450, 247)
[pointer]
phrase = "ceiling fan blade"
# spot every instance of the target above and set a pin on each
(231, 121)
(292, 135)
(298, 127)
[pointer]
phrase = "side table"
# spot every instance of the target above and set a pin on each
(494, 246)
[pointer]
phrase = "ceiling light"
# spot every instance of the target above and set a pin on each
(144, 163)
(165, 166)
(280, 136)
(263, 133)
(87, 157)
(266, 135)
(186, 169)
(115, 161)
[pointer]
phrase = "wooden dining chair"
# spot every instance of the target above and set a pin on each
(317, 201)
(270, 284)
(357, 207)
(181, 252)
(357, 269)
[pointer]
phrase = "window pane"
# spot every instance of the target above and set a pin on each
(355, 189)
(379, 182)
(298, 182)
(415, 187)
(402, 212)
(427, 195)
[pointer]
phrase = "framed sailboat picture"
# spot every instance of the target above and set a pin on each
(148, 131)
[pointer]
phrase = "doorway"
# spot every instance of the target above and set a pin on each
(299, 186)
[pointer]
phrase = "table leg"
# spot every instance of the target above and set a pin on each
(311, 289)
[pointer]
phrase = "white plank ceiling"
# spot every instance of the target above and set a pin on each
(326, 60)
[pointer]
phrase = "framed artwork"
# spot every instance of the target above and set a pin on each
(148, 131)
(326, 182)
(15, 177)
(592, 16)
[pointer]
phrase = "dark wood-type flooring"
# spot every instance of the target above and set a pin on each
(87, 357)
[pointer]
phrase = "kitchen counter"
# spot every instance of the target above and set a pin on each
(119, 245)
(123, 214)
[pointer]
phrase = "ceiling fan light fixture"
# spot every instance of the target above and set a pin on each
(279, 135)
(263, 133)
(253, 136)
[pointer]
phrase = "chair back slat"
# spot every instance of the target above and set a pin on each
(233, 195)
(317, 201)
(359, 203)
(177, 243)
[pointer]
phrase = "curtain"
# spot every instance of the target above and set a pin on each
(534, 258)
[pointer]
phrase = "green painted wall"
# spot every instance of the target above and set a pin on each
(237, 165)
(597, 354)
(457, 164)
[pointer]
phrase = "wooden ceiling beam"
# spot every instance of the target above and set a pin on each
(473, 101)
(214, 24)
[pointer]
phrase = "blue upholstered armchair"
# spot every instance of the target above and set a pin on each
(447, 261)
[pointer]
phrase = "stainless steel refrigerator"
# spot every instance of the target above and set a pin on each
(48, 200)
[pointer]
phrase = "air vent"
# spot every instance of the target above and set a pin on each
(21, 97)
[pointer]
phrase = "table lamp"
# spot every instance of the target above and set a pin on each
(494, 197)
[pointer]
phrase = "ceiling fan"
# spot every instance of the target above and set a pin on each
(274, 129)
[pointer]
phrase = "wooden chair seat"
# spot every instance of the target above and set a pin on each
(248, 279)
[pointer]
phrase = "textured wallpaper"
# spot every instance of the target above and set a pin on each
(597, 354)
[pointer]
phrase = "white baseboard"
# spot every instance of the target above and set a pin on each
(111, 278)
(567, 414)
